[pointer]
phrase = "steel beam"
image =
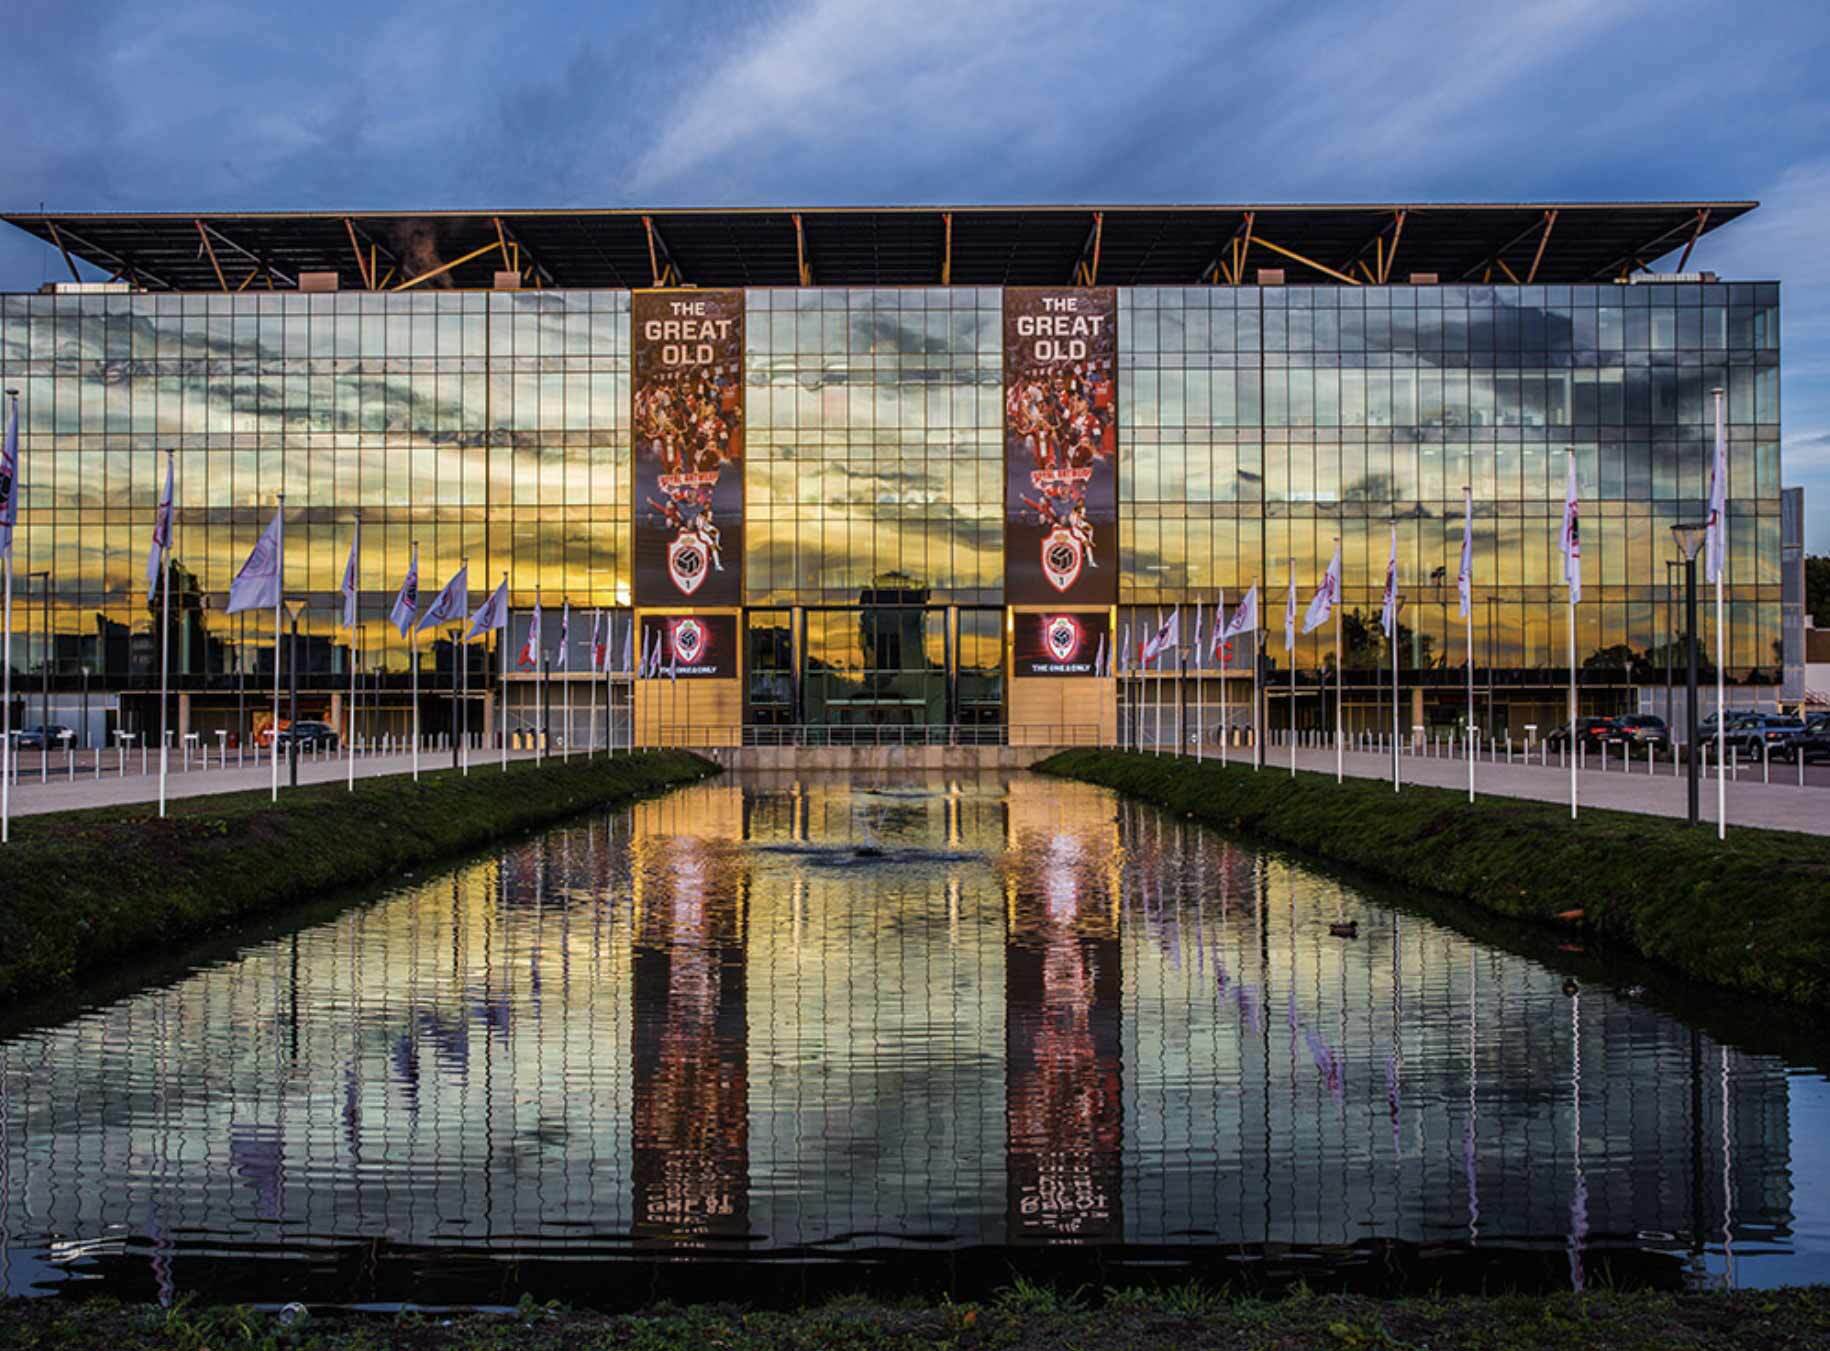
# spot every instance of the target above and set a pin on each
(362, 263)
(247, 253)
(660, 262)
(69, 262)
(443, 268)
(523, 258)
(1293, 255)
(209, 248)
(1550, 223)
(803, 268)
(1695, 235)
(946, 260)
(125, 267)
(1086, 270)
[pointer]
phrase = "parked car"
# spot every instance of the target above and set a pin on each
(1594, 732)
(1773, 731)
(44, 737)
(1813, 743)
(309, 735)
(1641, 730)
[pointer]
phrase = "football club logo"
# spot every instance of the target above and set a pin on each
(689, 641)
(687, 562)
(1063, 638)
(1062, 558)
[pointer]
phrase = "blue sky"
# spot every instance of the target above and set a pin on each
(218, 105)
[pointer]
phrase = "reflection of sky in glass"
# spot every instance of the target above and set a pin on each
(928, 1015)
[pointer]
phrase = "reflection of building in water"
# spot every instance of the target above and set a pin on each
(921, 1012)
(1284, 1085)
(1064, 1108)
(691, 1163)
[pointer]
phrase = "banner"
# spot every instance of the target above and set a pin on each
(687, 423)
(698, 647)
(1060, 445)
(1066, 643)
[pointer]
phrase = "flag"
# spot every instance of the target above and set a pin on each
(257, 585)
(1571, 543)
(647, 652)
(565, 636)
(406, 604)
(1199, 650)
(1099, 657)
(451, 604)
(629, 646)
(349, 578)
(530, 650)
(1715, 540)
(1464, 580)
(598, 653)
(673, 658)
(1388, 613)
(9, 477)
(1290, 613)
(1322, 603)
(162, 531)
(1167, 636)
(492, 613)
(1124, 650)
(1245, 618)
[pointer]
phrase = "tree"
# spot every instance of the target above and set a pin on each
(1817, 589)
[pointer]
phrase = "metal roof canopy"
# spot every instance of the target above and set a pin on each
(1545, 243)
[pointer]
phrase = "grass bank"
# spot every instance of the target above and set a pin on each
(1750, 913)
(1024, 1318)
(81, 890)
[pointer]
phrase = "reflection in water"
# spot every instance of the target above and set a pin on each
(817, 1019)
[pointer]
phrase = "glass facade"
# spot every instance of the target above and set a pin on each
(1257, 425)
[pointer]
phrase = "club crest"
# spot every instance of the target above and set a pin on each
(1063, 638)
(687, 563)
(689, 641)
(1062, 558)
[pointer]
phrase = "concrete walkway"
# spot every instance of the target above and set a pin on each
(1775, 806)
(62, 794)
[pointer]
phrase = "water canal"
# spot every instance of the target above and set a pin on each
(763, 1038)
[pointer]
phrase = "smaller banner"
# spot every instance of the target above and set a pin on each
(693, 647)
(1065, 643)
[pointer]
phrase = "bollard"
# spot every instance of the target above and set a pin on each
(1509, 747)
(1766, 762)
(1734, 763)
(1801, 767)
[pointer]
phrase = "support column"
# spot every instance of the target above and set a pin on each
(184, 717)
(336, 711)
(1416, 707)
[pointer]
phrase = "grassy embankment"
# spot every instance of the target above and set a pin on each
(82, 890)
(1751, 913)
(1023, 1318)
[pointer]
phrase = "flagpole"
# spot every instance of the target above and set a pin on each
(1570, 594)
(1226, 706)
(1257, 704)
(165, 648)
(1156, 735)
(415, 660)
(539, 692)
(1397, 609)
(597, 627)
(1721, 681)
(565, 653)
(1467, 506)
(279, 601)
(503, 682)
(463, 655)
(354, 627)
(1200, 667)
(1292, 682)
(1339, 739)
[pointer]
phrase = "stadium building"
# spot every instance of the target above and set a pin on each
(932, 470)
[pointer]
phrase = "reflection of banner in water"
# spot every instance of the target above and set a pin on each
(1064, 1111)
(691, 1149)
(687, 419)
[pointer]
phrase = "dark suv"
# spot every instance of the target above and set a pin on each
(1593, 732)
(309, 735)
(1813, 743)
(1642, 729)
(44, 738)
(1774, 731)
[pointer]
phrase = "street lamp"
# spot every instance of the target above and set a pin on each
(1689, 537)
(293, 608)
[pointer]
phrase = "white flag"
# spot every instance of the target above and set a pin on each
(1099, 657)
(1200, 651)
(530, 650)
(9, 477)
(406, 604)
(1290, 614)
(1124, 650)
(647, 651)
(257, 585)
(492, 613)
(1327, 595)
(1715, 540)
(1167, 636)
(1245, 618)
(349, 578)
(1388, 614)
(1464, 580)
(560, 661)
(452, 603)
(162, 532)
(629, 646)
(1571, 543)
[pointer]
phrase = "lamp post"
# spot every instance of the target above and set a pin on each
(293, 608)
(1689, 538)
